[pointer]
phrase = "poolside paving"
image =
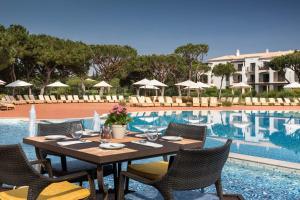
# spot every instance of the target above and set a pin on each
(81, 110)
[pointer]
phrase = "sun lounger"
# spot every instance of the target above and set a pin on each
(170, 101)
(204, 102)
(287, 102)
(280, 101)
(70, 99)
(133, 101)
(54, 100)
(64, 99)
(236, 101)
(229, 99)
(273, 102)
(296, 101)
(223, 99)
(156, 104)
(148, 102)
(196, 102)
(6, 106)
(86, 99)
(115, 99)
(28, 100)
(162, 102)
(11, 99)
(109, 99)
(98, 99)
(41, 98)
(213, 102)
(76, 98)
(47, 99)
(37, 101)
(255, 101)
(263, 101)
(92, 99)
(248, 101)
(121, 98)
(178, 100)
(20, 99)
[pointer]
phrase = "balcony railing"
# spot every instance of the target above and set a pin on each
(263, 68)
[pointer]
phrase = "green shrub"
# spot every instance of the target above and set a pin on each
(226, 104)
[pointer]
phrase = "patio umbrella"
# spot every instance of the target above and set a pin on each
(158, 84)
(102, 85)
(19, 83)
(57, 84)
(294, 85)
(2, 82)
(141, 82)
(203, 85)
(241, 85)
(187, 83)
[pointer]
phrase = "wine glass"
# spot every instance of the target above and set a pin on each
(77, 131)
(152, 133)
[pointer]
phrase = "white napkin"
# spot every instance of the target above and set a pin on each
(149, 144)
(66, 143)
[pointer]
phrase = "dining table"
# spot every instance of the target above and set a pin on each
(87, 149)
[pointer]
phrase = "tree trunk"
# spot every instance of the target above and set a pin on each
(163, 91)
(179, 91)
(48, 75)
(82, 86)
(220, 90)
(13, 73)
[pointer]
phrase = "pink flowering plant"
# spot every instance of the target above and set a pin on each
(118, 116)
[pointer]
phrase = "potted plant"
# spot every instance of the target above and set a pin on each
(118, 119)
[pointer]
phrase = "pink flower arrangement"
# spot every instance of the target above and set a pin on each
(118, 115)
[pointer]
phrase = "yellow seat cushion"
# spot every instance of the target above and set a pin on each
(152, 171)
(56, 191)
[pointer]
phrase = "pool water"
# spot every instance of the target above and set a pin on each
(272, 135)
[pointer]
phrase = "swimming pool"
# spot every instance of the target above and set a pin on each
(259, 133)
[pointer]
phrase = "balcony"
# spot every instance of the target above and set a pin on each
(262, 68)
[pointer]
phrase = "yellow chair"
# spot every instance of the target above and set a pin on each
(17, 171)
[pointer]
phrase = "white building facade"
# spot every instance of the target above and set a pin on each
(251, 69)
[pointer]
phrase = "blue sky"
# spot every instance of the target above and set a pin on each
(159, 26)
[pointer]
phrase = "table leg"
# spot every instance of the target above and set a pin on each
(100, 180)
(116, 178)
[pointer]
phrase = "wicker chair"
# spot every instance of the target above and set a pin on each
(16, 170)
(154, 169)
(191, 169)
(63, 168)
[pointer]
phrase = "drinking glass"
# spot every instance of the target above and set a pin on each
(106, 134)
(77, 131)
(152, 133)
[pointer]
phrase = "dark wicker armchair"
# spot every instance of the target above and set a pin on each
(154, 169)
(191, 169)
(63, 168)
(16, 170)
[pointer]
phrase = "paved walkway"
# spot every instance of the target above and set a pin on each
(80, 110)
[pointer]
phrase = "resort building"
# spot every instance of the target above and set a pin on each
(251, 69)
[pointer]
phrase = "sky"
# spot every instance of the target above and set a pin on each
(159, 26)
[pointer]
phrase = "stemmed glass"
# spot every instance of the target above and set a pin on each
(77, 131)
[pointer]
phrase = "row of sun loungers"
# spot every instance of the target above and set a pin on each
(30, 99)
(210, 101)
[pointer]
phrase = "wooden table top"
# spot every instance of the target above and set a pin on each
(91, 152)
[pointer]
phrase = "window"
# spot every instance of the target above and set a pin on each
(240, 67)
(252, 67)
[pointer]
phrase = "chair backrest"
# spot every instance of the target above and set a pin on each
(31, 97)
(271, 100)
(76, 97)
(187, 131)
(235, 100)
(169, 100)
(53, 98)
(279, 100)
(204, 100)
(63, 128)
(178, 100)
(161, 99)
(20, 97)
(70, 97)
(85, 97)
(287, 100)
(12, 98)
(195, 100)
(133, 100)
(7, 98)
(47, 98)
(141, 99)
(197, 168)
(108, 98)
(114, 97)
(148, 100)
(121, 98)
(15, 169)
(26, 97)
(91, 97)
